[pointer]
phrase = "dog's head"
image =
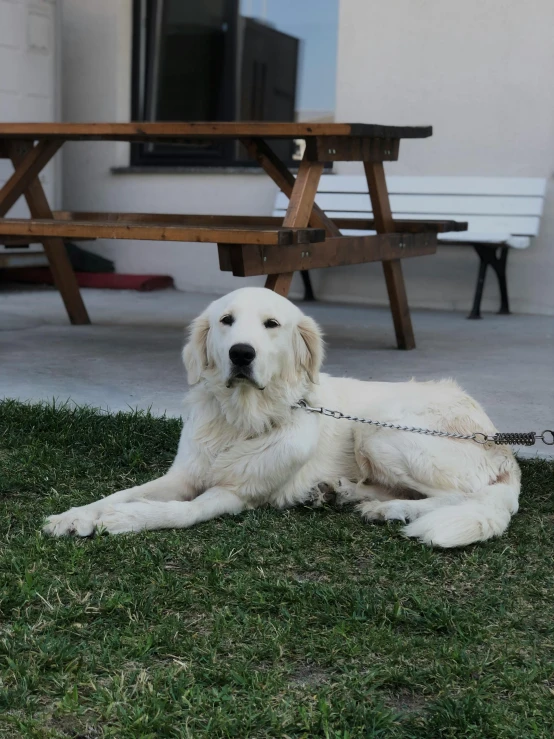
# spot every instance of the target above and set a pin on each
(252, 338)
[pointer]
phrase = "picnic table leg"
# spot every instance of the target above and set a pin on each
(302, 190)
(394, 278)
(298, 214)
(62, 271)
(31, 164)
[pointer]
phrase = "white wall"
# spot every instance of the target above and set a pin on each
(480, 71)
(28, 75)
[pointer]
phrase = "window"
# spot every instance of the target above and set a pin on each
(230, 60)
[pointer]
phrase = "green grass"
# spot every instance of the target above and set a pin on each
(305, 623)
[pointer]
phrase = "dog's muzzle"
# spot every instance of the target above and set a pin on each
(242, 356)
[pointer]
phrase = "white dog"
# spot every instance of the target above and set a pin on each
(252, 355)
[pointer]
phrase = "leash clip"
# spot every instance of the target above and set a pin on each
(306, 407)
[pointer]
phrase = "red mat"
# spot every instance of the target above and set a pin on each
(107, 280)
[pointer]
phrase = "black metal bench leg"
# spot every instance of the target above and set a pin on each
(488, 256)
(483, 264)
(308, 289)
(499, 265)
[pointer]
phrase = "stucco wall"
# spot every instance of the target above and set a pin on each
(29, 75)
(479, 70)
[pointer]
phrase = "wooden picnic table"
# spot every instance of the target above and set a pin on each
(247, 245)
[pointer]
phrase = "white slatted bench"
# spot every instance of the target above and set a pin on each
(502, 213)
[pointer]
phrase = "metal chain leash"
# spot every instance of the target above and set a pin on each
(523, 439)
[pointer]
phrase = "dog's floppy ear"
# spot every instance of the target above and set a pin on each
(195, 353)
(309, 347)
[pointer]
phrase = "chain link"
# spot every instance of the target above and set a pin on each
(524, 439)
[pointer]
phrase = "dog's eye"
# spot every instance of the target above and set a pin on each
(271, 323)
(227, 320)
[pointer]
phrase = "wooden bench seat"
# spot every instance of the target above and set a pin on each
(112, 226)
(248, 245)
(237, 237)
(407, 226)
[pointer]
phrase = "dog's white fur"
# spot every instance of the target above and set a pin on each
(245, 444)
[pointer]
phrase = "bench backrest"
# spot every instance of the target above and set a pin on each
(511, 205)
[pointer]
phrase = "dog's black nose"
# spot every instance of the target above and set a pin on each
(242, 354)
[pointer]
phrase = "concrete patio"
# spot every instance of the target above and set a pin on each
(130, 356)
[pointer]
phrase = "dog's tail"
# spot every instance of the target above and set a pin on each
(478, 519)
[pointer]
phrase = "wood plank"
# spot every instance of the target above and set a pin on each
(298, 214)
(13, 241)
(278, 282)
(181, 219)
(392, 269)
(401, 226)
(156, 232)
(60, 266)
(352, 149)
(334, 252)
(363, 224)
(25, 240)
(302, 197)
(148, 131)
(285, 180)
(224, 255)
(517, 225)
(398, 298)
(30, 166)
(259, 150)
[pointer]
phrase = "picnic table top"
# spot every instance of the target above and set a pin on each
(140, 131)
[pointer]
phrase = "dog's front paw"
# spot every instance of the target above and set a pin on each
(122, 518)
(345, 491)
(394, 510)
(80, 521)
(320, 495)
